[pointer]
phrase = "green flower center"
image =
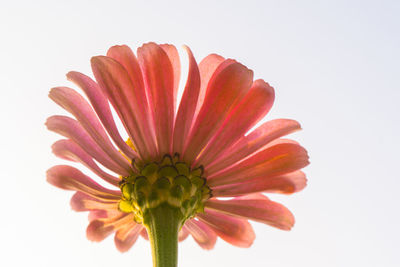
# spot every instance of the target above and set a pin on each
(171, 182)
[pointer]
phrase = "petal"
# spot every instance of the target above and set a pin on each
(207, 68)
(285, 184)
(144, 234)
(117, 85)
(235, 231)
(257, 208)
(159, 80)
(273, 161)
(73, 130)
(202, 234)
(74, 103)
(254, 106)
(97, 214)
(99, 229)
(253, 142)
(69, 178)
(68, 150)
(127, 235)
(183, 234)
(102, 108)
(173, 56)
(187, 106)
(83, 202)
(229, 83)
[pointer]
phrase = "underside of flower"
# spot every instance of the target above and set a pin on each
(163, 193)
(169, 181)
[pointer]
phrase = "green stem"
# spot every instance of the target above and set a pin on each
(163, 224)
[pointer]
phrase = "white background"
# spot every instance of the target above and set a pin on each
(335, 68)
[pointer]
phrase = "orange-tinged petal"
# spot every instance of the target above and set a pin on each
(69, 178)
(254, 106)
(202, 234)
(173, 56)
(99, 229)
(207, 67)
(273, 161)
(235, 231)
(117, 85)
(71, 129)
(229, 83)
(67, 149)
(285, 184)
(74, 103)
(159, 80)
(187, 106)
(102, 108)
(183, 234)
(83, 202)
(253, 142)
(127, 235)
(257, 208)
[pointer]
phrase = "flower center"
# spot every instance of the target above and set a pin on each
(170, 181)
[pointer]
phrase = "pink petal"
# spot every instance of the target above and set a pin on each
(68, 150)
(144, 234)
(124, 55)
(207, 68)
(159, 80)
(227, 86)
(74, 103)
(69, 178)
(114, 80)
(285, 184)
(127, 235)
(183, 233)
(99, 229)
(202, 234)
(83, 202)
(73, 130)
(187, 107)
(98, 214)
(102, 108)
(173, 56)
(235, 231)
(258, 208)
(273, 161)
(253, 107)
(253, 142)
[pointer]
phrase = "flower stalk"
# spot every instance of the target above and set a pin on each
(163, 224)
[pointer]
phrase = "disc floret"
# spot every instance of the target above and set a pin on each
(170, 182)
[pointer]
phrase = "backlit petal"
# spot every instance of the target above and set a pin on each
(229, 83)
(71, 129)
(202, 234)
(285, 184)
(253, 142)
(68, 150)
(127, 235)
(258, 208)
(159, 80)
(235, 231)
(100, 104)
(187, 106)
(273, 161)
(69, 178)
(245, 115)
(117, 85)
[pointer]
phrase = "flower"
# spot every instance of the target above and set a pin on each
(195, 160)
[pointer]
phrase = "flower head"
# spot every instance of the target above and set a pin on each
(195, 159)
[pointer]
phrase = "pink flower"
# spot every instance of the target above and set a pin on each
(188, 155)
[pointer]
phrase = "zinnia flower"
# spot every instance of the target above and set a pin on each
(192, 168)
